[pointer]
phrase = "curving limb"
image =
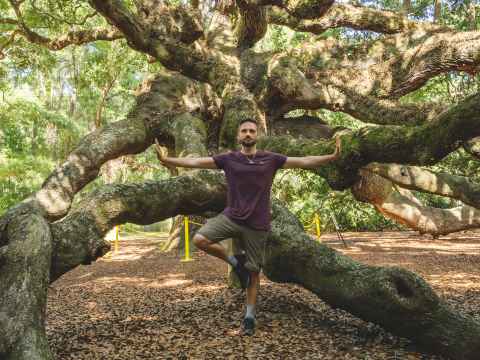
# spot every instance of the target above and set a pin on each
(416, 178)
(345, 15)
(402, 206)
(394, 298)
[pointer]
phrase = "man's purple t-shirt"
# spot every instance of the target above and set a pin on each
(249, 181)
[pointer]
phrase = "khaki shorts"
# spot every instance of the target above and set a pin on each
(244, 238)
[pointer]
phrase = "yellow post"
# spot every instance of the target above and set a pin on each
(187, 242)
(116, 238)
(317, 222)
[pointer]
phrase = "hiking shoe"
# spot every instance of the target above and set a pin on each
(243, 274)
(241, 258)
(248, 326)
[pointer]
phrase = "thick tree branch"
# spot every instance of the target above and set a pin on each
(167, 35)
(126, 22)
(357, 79)
(415, 178)
(394, 298)
(336, 92)
(158, 107)
(71, 38)
(306, 126)
(400, 205)
(251, 26)
(79, 237)
(344, 15)
(23, 288)
(420, 145)
(437, 53)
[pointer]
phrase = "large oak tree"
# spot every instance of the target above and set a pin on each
(213, 77)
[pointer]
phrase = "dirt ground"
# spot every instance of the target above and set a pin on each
(143, 304)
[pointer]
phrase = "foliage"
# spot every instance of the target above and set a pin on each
(307, 194)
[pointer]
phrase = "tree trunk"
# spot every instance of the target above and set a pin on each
(24, 279)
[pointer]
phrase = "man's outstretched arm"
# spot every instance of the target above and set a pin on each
(311, 162)
(200, 162)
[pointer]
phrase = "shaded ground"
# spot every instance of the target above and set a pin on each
(143, 304)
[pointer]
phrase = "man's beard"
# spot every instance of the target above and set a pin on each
(250, 142)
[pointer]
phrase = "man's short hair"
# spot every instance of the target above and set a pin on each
(248, 120)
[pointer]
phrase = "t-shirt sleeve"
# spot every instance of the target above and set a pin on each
(279, 160)
(220, 160)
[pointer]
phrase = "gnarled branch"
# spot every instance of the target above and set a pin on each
(416, 178)
(400, 205)
(420, 145)
(164, 37)
(344, 15)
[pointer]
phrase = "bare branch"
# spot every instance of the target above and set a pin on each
(400, 205)
(72, 38)
(8, 21)
(415, 178)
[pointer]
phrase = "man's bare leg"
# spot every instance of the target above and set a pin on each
(252, 291)
(218, 251)
(210, 247)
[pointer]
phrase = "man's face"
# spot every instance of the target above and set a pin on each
(247, 134)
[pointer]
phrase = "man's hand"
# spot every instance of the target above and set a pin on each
(338, 147)
(162, 154)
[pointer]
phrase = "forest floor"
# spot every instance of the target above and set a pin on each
(141, 303)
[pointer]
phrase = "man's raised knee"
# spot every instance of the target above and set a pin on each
(200, 241)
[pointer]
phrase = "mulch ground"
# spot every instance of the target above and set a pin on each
(144, 304)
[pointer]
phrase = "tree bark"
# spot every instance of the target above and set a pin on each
(394, 298)
(415, 178)
(400, 205)
(24, 278)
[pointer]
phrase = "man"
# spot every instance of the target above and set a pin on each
(246, 218)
